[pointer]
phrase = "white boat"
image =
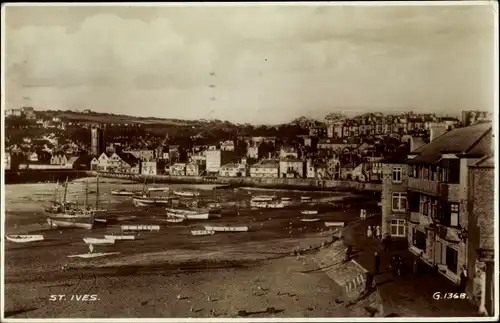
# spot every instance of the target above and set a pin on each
(140, 227)
(286, 199)
(186, 211)
(24, 238)
(186, 193)
(262, 205)
(158, 189)
(275, 205)
(226, 228)
(122, 192)
(309, 220)
(119, 237)
(174, 219)
(93, 255)
(263, 198)
(309, 212)
(196, 216)
(305, 198)
(58, 223)
(334, 224)
(202, 232)
(98, 241)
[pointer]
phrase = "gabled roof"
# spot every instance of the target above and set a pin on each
(128, 158)
(467, 140)
(290, 160)
(485, 162)
(266, 163)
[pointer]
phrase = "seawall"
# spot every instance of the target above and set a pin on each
(276, 183)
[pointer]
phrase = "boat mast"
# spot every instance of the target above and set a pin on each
(86, 194)
(97, 193)
(65, 191)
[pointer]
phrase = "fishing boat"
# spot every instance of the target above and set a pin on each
(24, 238)
(173, 219)
(158, 189)
(195, 216)
(309, 220)
(186, 193)
(334, 224)
(98, 241)
(202, 232)
(226, 228)
(309, 212)
(122, 192)
(119, 237)
(68, 223)
(140, 227)
(93, 255)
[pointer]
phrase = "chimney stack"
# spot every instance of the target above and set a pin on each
(436, 130)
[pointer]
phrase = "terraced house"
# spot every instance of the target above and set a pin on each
(438, 196)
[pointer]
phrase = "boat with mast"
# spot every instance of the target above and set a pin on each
(145, 198)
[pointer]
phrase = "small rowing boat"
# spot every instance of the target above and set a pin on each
(140, 227)
(98, 241)
(309, 212)
(119, 237)
(334, 224)
(93, 255)
(226, 228)
(24, 238)
(262, 198)
(309, 220)
(186, 193)
(198, 216)
(202, 232)
(174, 219)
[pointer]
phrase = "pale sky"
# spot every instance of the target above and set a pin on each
(271, 63)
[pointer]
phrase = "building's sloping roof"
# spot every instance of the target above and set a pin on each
(485, 162)
(459, 140)
(418, 142)
(229, 165)
(128, 158)
(290, 160)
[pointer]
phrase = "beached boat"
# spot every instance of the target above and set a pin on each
(122, 192)
(158, 189)
(309, 212)
(68, 223)
(98, 241)
(202, 232)
(140, 227)
(334, 224)
(262, 198)
(286, 199)
(119, 237)
(262, 205)
(187, 211)
(173, 219)
(275, 205)
(309, 220)
(186, 193)
(93, 255)
(24, 238)
(226, 228)
(305, 198)
(195, 216)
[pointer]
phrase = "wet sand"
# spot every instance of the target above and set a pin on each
(145, 279)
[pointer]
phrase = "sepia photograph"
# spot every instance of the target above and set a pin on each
(265, 161)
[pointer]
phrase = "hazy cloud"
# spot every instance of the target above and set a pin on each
(271, 63)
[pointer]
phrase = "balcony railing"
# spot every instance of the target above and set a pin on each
(428, 187)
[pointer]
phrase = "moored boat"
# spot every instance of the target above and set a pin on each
(195, 216)
(310, 220)
(334, 224)
(93, 255)
(186, 193)
(173, 219)
(158, 189)
(145, 200)
(202, 232)
(140, 227)
(226, 228)
(305, 198)
(119, 237)
(286, 199)
(98, 241)
(24, 238)
(275, 205)
(309, 212)
(262, 198)
(122, 192)
(68, 223)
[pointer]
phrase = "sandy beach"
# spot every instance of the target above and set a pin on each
(171, 273)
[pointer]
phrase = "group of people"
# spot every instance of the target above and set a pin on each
(374, 231)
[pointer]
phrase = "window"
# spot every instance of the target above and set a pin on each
(425, 205)
(397, 174)
(452, 259)
(398, 228)
(454, 211)
(420, 240)
(399, 201)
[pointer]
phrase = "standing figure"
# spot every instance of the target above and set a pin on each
(464, 278)
(387, 243)
(369, 232)
(378, 232)
(377, 263)
(394, 264)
